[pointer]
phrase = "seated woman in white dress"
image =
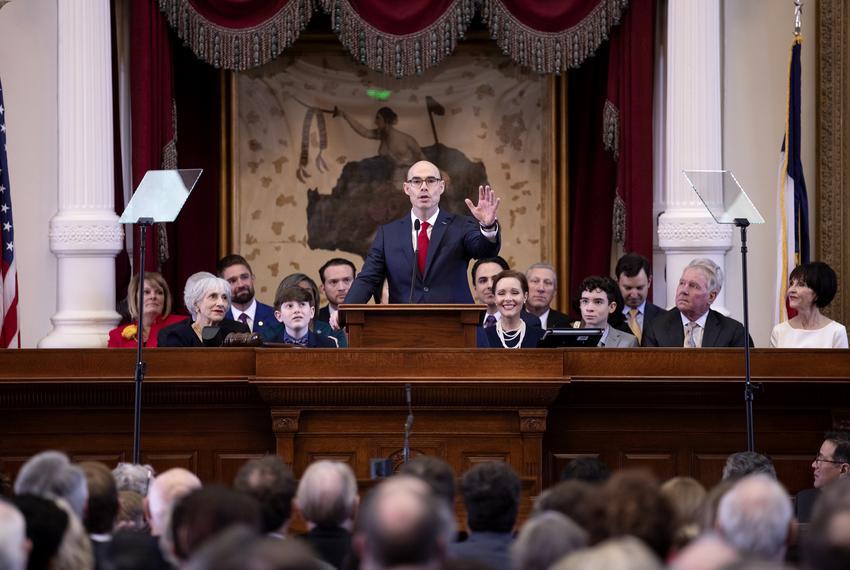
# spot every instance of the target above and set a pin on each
(811, 287)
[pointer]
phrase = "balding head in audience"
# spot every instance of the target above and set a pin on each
(755, 517)
(327, 494)
(13, 538)
(164, 493)
(51, 474)
(746, 463)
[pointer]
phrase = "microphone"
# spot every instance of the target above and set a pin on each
(416, 226)
(408, 425)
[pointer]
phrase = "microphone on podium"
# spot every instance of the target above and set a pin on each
(416, 226)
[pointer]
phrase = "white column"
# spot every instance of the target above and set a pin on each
(693, 139)
(84, 235)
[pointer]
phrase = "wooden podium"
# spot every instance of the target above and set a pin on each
(411, 326)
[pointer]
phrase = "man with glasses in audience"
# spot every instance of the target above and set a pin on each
(831, 464)
(425, 255)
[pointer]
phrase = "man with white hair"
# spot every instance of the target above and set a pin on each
(692, 323)
(327, 499)
(755, 517)
(14, 548)
(164, 492)
(50, 474)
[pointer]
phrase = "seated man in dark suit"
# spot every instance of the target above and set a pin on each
(634, 276)
(244, 307)
(692, 323)
(335, 278)
(491, 496)
(542, 284)
(831, 464)
(327, 499)
(484, 272)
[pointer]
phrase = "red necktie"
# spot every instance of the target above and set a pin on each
(422, 246)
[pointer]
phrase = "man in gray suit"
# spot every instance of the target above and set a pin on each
(597, 302)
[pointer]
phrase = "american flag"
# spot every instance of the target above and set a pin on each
(9, 330)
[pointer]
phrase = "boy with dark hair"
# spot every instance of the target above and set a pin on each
(597, 302)
(294, 308)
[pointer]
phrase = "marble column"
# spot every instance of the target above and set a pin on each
(84, 234)
(693, 139)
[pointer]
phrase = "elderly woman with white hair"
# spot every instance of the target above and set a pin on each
(208, 300)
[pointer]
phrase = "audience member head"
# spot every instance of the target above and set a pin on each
(686, 496)
(157, 296)
(542, 286)
(294, 307)
(635, 506)
(165, 490)
(634, 276)
(438, 474)
(51, 474)
(817, 276)
(236, 271)
(597, 300)
(588, 469)
(13, 538)
(745, 463)
(271, 483)
(826, 545)
(708, 517)
(327, 494)
(131, 512)
(400, 526)
(133, 477)
(711, 267)
(336, 277)
(45, 526)
(75, 550)
(544, 539)
(491, 495)
(623, 553)
(580, 502)
(483, 272)
(204, 512)
(833, 459)
(103, 498)
(696, 291)
(755, 517)
(208, 300)
(706, 552)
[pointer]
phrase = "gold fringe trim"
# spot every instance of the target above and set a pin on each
(547, 52)
(619, 220)
(243, 49)
(399, 56)
(611, 129)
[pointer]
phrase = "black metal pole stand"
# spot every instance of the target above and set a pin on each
(140, 363)
(748, 385)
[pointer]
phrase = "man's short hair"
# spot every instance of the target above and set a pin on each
(841, 440)
(438, 474)
(50, 474)
(271, 483)
(588, 469)
(12, 537)
(542, 266)
(327, 493)
(46, 524)
(133, 477)
(103, 498)
(745, 463)
(755, 517)
(820, 278)
(231, 260)
(713, 273)
(631, 264)
(544, 539)
(205, 512)
(292, 294)
(491, 495)
(498, 260)
(333, 262)
(401, 525)
(165, 490)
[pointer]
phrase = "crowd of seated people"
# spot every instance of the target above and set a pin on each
(62, 515)
(619, 306)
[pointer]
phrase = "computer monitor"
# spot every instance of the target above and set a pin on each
(570, 338)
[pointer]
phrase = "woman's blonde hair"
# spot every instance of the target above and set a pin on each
(133, 293)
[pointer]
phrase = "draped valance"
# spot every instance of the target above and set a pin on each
(396, 38)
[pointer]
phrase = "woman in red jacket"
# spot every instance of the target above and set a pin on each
(156, 312)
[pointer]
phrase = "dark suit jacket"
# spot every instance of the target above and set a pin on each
(324, 314)
(529, 318)
(804, 501)
(650, 313)
(488, 338)
(263, 317)
(454, 241)
(667, 330)
(182, 334)
(315, 339)
(557, 320)
(491, 548)
(333, 545)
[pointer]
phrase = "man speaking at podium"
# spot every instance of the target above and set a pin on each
(425, 256)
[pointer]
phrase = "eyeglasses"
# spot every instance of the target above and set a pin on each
(820, 459)
(430, 181)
